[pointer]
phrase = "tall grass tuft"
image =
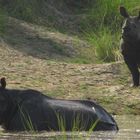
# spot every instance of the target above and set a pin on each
(105, 44)
(26, 120)
(78, 124)
(103, 27)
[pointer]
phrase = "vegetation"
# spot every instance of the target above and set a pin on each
(97, 21)
(26, 120)
(40, 40)
(2, 21)
(105, 33)
(77, 125)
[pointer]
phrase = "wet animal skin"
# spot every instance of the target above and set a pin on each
(29, 109)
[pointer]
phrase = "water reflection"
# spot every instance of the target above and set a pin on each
(129, 130)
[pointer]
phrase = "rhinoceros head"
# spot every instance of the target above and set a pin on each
(3, 99)
(131, 26)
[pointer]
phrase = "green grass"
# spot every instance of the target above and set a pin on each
(77, 126)
(26, 120)
(103, 26)
(105, 44)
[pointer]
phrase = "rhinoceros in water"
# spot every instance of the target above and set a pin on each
(22, 110)
(130, 44)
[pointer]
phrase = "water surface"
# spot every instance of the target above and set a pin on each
(129, 129)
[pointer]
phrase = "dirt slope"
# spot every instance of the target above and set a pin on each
(39, 41)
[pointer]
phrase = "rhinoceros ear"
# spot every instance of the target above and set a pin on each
(123, 12)
(3, 82)
(139, 15)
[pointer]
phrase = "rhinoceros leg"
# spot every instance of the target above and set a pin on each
(133, 67)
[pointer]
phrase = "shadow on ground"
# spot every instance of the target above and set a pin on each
(27, 40)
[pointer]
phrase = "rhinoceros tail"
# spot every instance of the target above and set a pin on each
(3, 82)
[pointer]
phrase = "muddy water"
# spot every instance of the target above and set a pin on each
(129, 130)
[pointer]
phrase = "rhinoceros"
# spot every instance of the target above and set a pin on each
(130, 44)
(30, 110)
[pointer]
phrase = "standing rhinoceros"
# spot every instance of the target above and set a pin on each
(31, 110)
(130, 43)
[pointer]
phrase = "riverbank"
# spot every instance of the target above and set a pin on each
(107, 84)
